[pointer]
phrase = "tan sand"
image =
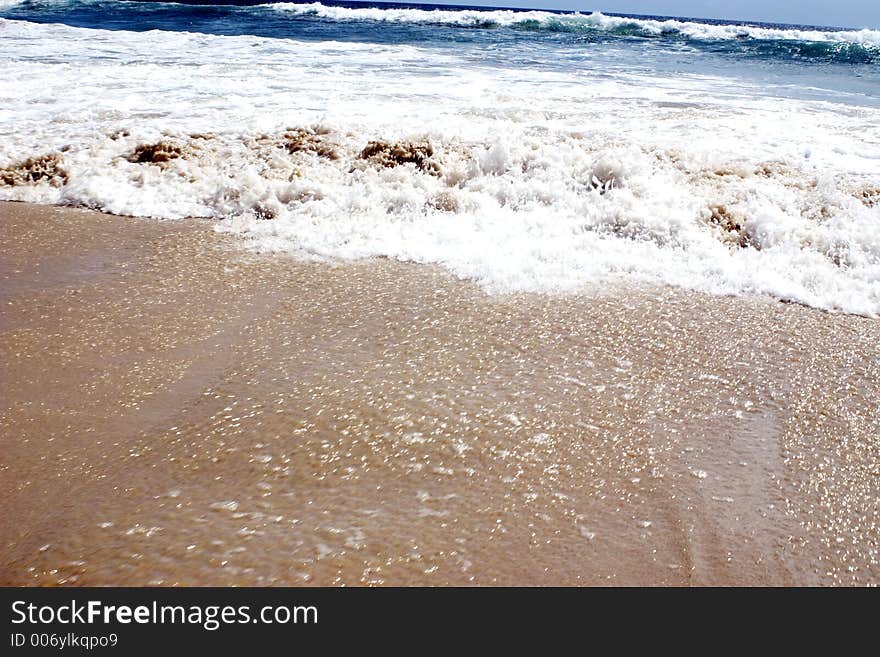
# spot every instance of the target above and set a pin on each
(174, 410)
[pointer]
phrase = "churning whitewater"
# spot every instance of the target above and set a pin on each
(529, 151)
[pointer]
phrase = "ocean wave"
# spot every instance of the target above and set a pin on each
(544, 213)
(540, 21)
(9, 4)
(762, 41)
(519, 178)
(595, 21)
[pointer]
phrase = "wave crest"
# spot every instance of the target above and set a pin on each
(594, 21)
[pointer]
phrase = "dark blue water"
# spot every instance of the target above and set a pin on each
(837, 61)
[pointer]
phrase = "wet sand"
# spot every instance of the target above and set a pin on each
(177, 411)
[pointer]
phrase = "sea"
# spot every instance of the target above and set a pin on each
(528, 151)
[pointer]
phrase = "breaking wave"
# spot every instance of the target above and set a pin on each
(757, 40)
(522, 178)
(845, 46)
(535, 213)
(595, 21)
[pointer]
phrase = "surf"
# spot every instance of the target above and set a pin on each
(524, 166)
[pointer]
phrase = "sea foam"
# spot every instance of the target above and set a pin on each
(523, 179)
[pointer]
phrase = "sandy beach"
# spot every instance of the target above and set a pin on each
(176, 410)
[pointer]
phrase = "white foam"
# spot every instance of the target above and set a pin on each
(574, 21)
(551, 179)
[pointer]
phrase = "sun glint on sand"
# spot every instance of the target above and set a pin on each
(178, 411)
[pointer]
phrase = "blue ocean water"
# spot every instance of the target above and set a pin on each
(840, 60)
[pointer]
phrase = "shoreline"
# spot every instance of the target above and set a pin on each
(182, 411)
